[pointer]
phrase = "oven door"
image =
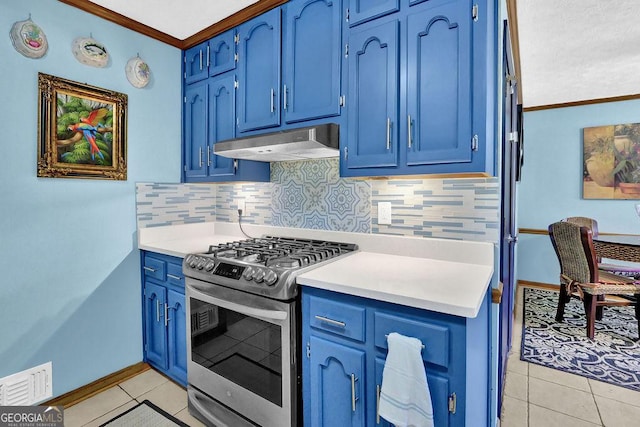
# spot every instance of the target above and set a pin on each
(241, 351)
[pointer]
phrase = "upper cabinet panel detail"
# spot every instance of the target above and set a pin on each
(439, 86)
(259, 72)
(365, 10)
(312, 59)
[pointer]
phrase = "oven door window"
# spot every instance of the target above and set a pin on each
(240, 348)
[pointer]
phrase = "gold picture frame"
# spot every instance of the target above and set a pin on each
(82, 130)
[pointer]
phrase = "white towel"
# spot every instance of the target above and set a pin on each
(405, 399)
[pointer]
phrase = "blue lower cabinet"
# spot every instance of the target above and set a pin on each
(176, 331)
(164, 316)
(155, 332)
(336, 382)
(342, 369)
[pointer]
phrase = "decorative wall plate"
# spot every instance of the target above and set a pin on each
(29, 39)
(90, 52)
(137, 72)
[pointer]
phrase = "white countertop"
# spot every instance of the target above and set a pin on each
(447, 276)
(442, 286)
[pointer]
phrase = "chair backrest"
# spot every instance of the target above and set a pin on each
(574, 247)
(583, 221)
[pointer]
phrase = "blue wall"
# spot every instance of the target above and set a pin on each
(70, 287)
(551, 186)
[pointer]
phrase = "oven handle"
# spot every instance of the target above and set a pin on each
(242, 309)
(194, 399)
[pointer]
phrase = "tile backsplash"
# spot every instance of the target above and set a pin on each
(311, 194)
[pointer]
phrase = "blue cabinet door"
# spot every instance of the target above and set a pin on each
(222, 115)
(221, 53)
(373, 99)
(439, 109)
(195, 129)
(312, 59)
(155, 335)
(195, 63)
(438, 389)
(337, 385)
(374, 417)
(365, 10)
(177, 340)
(259, 72)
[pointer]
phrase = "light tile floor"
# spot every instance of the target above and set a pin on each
(149, 385)
(536, 396)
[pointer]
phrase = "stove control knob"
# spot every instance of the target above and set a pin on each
(209, 265)
(270, 278)
(201, 263)
(248, 273)
(258, 275)
(193, 261)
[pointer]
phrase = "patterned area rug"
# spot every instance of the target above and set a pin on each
(613, 356)
(145, 414)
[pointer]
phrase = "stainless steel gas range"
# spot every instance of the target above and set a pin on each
(243, 328)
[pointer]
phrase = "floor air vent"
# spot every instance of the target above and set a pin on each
(27, 387)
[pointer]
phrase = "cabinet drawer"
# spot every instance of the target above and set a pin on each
(434, 337)
(174, 274)
(154, 267)
(338, 318)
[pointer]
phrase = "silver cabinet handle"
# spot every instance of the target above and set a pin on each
(200, 59)
(158, 310)
(153, 270)
(200, 157)
(284, 91)
(377, 403)
(208, 155)
(208, 63)
(409, 129)
(166, 314)
(388, 133)
(174, 277)
(353, 392)
(273, 92)
(331, 321)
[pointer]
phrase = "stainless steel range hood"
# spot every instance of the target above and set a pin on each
(314, 142)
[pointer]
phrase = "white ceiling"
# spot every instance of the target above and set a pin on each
(576, 50)
(570, 50)
(178, 18)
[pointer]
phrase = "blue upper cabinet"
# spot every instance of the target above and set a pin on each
(196, 107)
(195, 63)
(439, 85)
(222, 53)
(365, 10)
(221, 122)
(441, 81)
(209, 117)
(373, 106)
(259, 72)
(312, 36)
(211, 58)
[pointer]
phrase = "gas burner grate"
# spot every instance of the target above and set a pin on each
(281, 252)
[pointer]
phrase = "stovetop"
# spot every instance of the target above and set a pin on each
(265, 266)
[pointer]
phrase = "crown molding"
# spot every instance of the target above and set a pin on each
(123, 21)
(234, 20)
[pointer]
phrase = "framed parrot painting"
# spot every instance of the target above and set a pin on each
(82, 130)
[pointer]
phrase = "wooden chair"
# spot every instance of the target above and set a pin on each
(592, 224)
(580, 277)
